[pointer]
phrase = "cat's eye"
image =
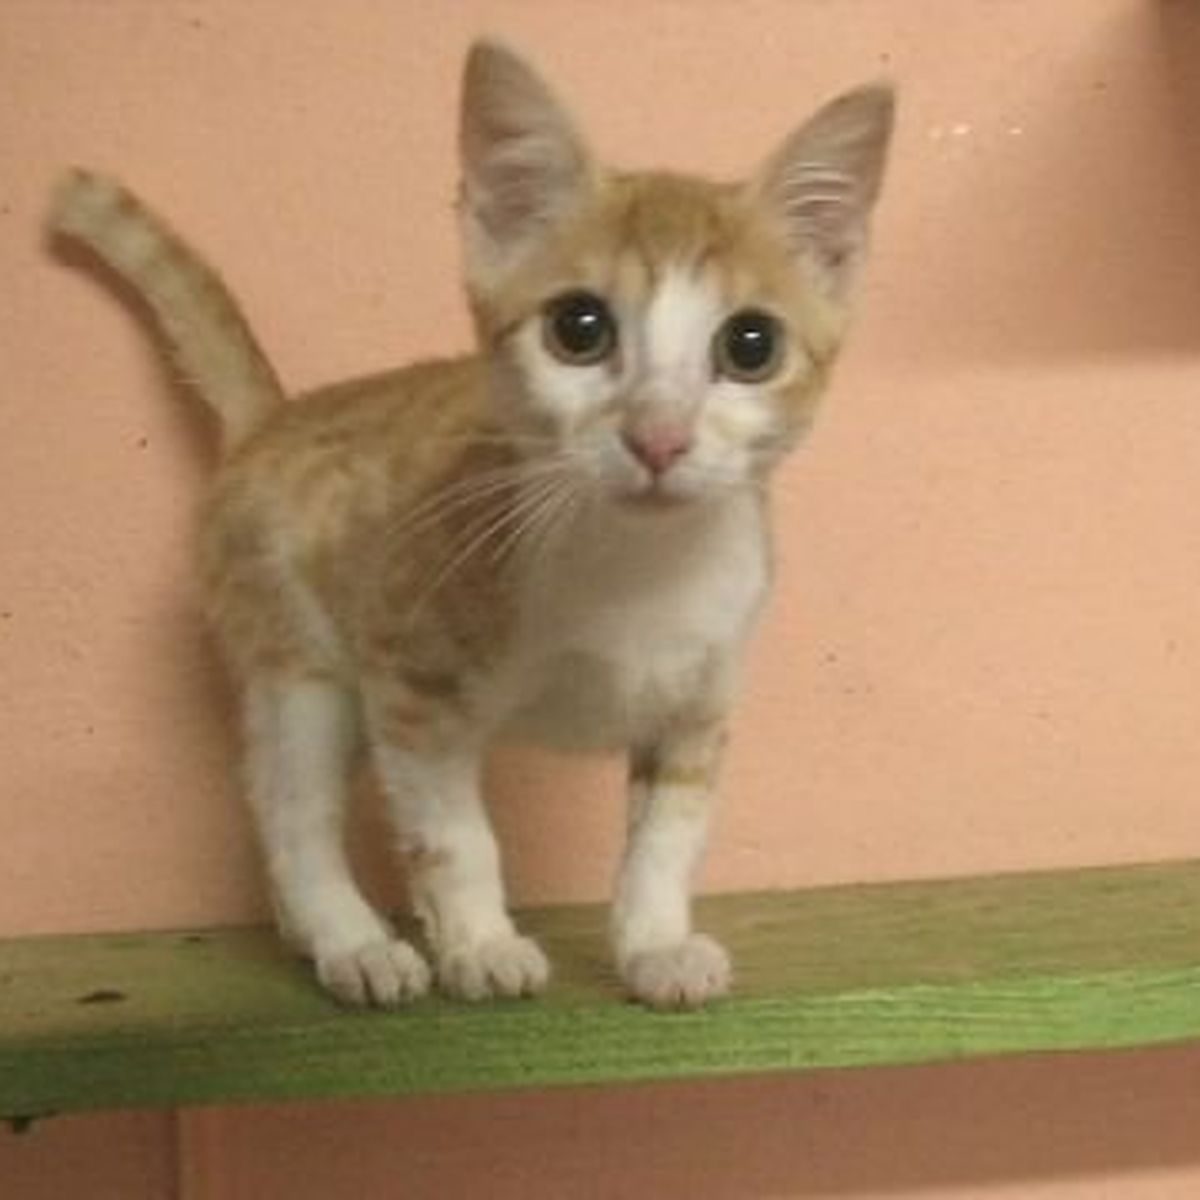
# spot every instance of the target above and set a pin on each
(578, 328)
(749, 346)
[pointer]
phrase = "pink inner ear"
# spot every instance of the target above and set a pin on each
(825, 178)
(522, 160)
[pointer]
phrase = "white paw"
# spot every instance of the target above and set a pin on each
(508, 965)
(384, 973)
(685, 975)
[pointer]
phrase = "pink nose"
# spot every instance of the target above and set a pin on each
(656, 447)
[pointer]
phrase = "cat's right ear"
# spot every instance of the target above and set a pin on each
(523, 163)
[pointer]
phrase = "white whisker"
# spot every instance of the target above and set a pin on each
(462, 493)
(472, 540)
(539, 540)
(545, 493)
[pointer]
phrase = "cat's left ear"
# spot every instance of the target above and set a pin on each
(523, 163)
(825, 178)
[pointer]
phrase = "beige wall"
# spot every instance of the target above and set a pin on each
(985, 649)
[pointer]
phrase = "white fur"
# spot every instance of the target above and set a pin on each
(650, 909)
(456, 884)
(624, 621)
(676, 359)
(662, 960)
(300, 739)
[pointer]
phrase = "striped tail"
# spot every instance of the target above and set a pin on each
(207, 333)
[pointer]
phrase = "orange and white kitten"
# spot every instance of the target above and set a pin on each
(562, 538)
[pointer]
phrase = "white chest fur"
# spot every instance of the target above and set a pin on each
(631, 622)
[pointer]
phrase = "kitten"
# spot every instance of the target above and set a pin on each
(562, 538)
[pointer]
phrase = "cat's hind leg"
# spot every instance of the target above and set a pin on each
(301, 736)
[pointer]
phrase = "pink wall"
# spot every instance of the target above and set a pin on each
(985, 649)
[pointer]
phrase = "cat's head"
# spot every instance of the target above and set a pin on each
(666, 337)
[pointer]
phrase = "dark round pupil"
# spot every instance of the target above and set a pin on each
(750, 341)
(581, 323)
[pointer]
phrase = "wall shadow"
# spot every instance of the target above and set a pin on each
(1019, 1123)
(1178, 34)
(1065, 221)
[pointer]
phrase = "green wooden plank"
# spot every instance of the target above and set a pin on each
(849, 976)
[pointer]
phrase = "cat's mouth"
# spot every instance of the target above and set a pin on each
(655, 496)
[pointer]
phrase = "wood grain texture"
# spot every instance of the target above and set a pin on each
(850, 976)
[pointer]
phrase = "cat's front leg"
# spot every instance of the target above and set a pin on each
(662, 961)
(430, 767)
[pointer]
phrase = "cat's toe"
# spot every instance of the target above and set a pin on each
(509, 965)
(385, 974)
(685, 975)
